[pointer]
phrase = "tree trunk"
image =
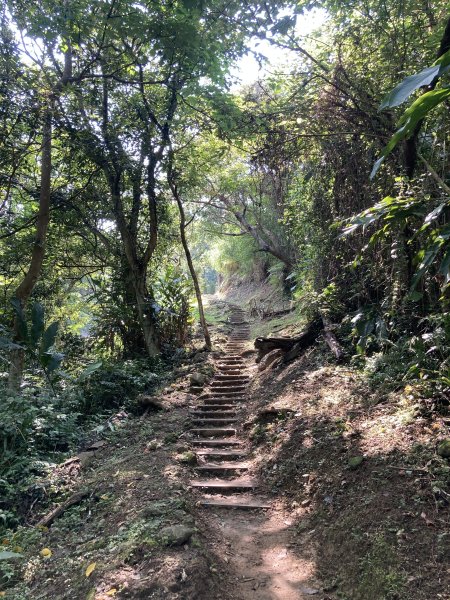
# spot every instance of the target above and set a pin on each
(23, 292)
(131, 332)
(27, 284)
(145, 312)
(192, 271)
(137, 268)
(263, 245)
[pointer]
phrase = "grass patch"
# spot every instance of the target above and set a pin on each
(288, 324)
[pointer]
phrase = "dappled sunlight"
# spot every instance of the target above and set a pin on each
(359, 478)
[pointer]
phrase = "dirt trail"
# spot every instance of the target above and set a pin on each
(254, 534)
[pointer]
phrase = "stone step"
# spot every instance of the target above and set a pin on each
(213, 408)
(213, 422)
(231, 377)
(212, 432)
(220, 454)
(236, 362)
(218, 393)
(224, 467)
(217, 443)
(223, 386)
(223, 400)
(216, 414)
(233, 408)
(222, 485)
(239, 381)
(234, 502)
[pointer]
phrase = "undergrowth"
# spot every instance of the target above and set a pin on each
(40, 426)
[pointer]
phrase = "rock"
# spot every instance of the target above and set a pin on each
(247, 353)
(153, 445)
(309, 591)
(270, 358)
(96, 445)
(184, 517)
(85, 458)
(156, 509)
(187, 458)
(354, 462)
(197, 379)
(443, 448)
(151, 402)
(176, 535)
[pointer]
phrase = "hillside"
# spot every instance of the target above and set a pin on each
(355, 491)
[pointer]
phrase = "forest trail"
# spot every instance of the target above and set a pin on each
(258, 542)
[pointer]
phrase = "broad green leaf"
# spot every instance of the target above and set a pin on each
(6, 555)
(49, 337)
(37, 320)
(89, 370)
(410, 118)
(410, 84)
(51, 360)
(415, 296)
(7, 344)
(427, 258)
(395, 139)
(444, 62)
(422, 106)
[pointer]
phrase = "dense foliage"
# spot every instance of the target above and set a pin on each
(123, 143)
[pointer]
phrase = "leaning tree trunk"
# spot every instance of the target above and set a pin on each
(23, 291)
(190, 263)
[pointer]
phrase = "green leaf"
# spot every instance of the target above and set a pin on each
(284, 25)
(7, 344)
(427, 258)
(37, 327)
(410, 84)
(410, 118)
(415, 296)
(422, 106)
(6, 555)
(444, 62)
(88, 371)
(51, 360)
(49, 337)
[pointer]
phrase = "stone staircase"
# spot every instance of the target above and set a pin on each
(216, 435)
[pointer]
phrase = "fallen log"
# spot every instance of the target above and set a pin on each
(332, 340)
(292, 346)
(59, 510)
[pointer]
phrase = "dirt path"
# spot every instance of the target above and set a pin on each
(254, 533)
